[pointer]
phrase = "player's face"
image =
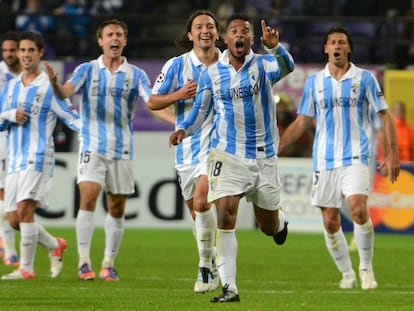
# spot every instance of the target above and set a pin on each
(204, 33)
(239, 38)
(337, 48)
(9, 53)
(113, 40)
(29, 55)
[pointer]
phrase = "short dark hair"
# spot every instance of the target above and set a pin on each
(32, 36)
(182, 40)
(235, 16)
(10, 35)
(114, 21)
(338, 29)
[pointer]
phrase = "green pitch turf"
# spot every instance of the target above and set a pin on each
(158, 269)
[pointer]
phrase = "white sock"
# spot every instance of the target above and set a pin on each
(28, 243)
(226, 257)
(9, 240)
(114, 231)
(364, 238)
(7, 233)
(282, 219)
(85, 224)
(206, 225)
(338, 248)
(45, 238)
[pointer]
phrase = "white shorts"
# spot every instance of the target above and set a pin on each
(3, 158)
(23, 185)
(114, 175)
(188, 177)
(257, 179)
(330, 187)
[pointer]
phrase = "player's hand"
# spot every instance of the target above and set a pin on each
(51, 73)
(188, 90)
(383, 169)
(270, 36)
(390, 167)
(21, 116)
(177, 137)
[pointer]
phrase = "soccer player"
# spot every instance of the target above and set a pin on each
(242, 160)
(29, 111)
(111, 87)
(176, 85)
(340, 97)
(9, 68)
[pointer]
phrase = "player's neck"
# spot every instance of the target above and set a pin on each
(339, 70)
(29, 75)
(112, 63)
(207, 57)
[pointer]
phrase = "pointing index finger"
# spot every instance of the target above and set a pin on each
(263, 24)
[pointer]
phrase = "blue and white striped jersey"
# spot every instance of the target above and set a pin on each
(5, 75)
(108, 105)
(342, 111)
(31, 146)
(174, 74)
(243, 103)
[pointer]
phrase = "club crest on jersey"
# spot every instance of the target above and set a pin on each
(252, 75)
(39, 98)
(355, 88)
(127, 82)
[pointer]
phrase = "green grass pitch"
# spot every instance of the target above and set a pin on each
(158, 269)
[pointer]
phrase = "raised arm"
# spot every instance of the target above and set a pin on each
(270, 39)
(61, 90)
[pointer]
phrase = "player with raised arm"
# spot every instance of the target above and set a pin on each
(110, 90)
(242, 160)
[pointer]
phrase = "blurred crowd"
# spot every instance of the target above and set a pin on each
(68, 24)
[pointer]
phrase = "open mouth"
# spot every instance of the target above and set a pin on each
(336, 54)
(114, 47)
(240, 45)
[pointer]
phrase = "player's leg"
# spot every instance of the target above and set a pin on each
(25, 189)
(337, 246)
(28, 241)
(114, 231)
(327, 194)
(356, 187)
(91, 176)
(227, 247)
(56, 247)
(206, 225)
(8, 245)
(85, 225)
(266, 197)
(229, 179)
(8, 250)
(119, 184)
